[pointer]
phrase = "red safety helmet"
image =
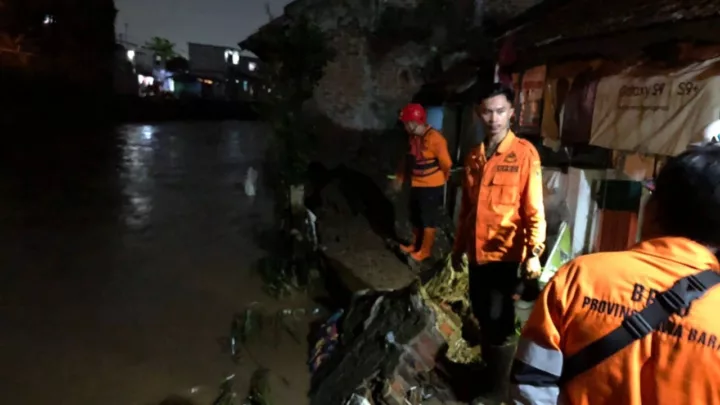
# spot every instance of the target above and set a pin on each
(413, 113)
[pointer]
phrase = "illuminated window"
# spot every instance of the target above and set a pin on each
(49, 19)
(232, 56)
(245, 85)
(146, 80)
(252, 66)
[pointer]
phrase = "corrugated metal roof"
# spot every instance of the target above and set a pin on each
(587, 18)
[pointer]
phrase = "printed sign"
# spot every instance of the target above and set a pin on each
(656, 112)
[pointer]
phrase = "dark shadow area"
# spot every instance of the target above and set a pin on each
(465, 380)
(136, 109)
(51, 174)
(339, 281)
(52, 101)
(176, 400)
(430, 269)
(362, 194)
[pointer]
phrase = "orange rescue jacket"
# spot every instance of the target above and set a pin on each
(502, 217)
(432, 163)
(588, 298)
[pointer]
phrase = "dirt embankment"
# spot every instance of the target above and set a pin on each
(361, 223)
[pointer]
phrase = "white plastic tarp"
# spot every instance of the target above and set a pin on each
(656, 112)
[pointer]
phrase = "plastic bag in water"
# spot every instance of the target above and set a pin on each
(250, 180)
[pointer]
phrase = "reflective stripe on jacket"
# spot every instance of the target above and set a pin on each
(502, 216)
(431, 162)
(588, 298)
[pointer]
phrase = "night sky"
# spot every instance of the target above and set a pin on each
(215, 22)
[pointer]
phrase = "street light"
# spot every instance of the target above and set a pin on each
(131, 55)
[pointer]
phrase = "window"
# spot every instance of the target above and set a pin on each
(232, 56)
(252, 66)
(245, 85)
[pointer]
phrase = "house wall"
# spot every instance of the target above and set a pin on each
(207, 58)
(204, 58)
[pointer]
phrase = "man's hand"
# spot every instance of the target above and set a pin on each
(532, 268)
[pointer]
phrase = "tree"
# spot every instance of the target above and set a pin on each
(162, 47)
(301, 51)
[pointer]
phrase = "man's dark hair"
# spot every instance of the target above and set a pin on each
(496, 89)
(687, 194)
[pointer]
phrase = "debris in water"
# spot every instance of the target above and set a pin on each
(280, 322)
(259, 393)
(327, 341)
(250, 180)
(227, 394)
(356, 399)
(243, 327)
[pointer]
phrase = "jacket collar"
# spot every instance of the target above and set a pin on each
(506, 143)
(504, 146)
(681, 250)
(424, 134)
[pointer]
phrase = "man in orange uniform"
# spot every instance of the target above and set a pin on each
(429, 165)
(605, 331)
(501, 228)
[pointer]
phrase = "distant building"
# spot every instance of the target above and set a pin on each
(225, 72)
(143, 59)
(137, 64)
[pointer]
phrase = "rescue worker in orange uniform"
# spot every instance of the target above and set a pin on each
(428, 162)
(501, 228)
(604, 331)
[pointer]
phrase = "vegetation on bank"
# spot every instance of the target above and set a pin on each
(162, 48)
(292, 72)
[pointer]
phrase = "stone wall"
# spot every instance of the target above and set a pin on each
(359, 94)
(502, 10)
(363, 89)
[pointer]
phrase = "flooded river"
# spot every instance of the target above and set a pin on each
(124, 256)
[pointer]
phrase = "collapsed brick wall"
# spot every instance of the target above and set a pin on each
(388, 369)
(417, 364)
(365, 352)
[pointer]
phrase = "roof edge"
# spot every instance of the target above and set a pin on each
(527, 16)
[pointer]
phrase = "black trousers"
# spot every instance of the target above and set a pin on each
(493, 287)
(426, 206)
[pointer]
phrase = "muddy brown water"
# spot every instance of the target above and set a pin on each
(124, 254)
